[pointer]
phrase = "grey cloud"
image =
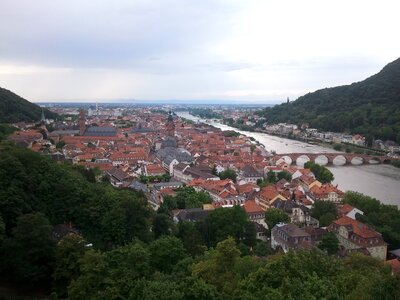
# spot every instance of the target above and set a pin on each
(103, 34)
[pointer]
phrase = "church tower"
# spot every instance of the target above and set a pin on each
(170, 126)
(82, 122)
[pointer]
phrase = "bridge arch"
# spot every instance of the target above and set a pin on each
(357, 160)
(374, 160)
(321, 159)
(302, 159)
(339, 160)
(287, 159)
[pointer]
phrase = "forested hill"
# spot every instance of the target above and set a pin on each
(14, 108)
(370, 107)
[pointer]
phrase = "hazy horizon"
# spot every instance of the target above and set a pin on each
(235, 51)
(165, 101)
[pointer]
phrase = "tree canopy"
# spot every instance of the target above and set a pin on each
(324, 211)
(321, 173)
(228, 173)
(274, 216)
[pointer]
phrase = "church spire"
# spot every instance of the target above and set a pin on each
(42, 118)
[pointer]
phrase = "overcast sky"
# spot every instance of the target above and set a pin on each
(248, 51)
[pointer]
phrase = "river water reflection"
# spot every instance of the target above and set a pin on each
(379, 181)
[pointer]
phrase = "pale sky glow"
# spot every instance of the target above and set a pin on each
(247, 51)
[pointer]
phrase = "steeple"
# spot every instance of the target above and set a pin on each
(42, 118)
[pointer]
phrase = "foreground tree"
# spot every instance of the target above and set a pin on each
(69, 251)
(218, 267)
(30, 252)
(166, 252)
(93, 281)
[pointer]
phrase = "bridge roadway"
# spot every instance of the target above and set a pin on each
(330, 157)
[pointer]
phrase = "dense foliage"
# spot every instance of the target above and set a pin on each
(274, 216)
(325, 212)
(36, 194)
(383, 217)
(228, 174)
(322, 174)
(222, 223)
(329, 243)
(370, 107)
(13, 108)
(396, 163)
(186, 197)
(231, 133)
(130, 273)
(6, 130)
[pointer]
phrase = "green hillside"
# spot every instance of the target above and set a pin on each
(370, 107)
(13, 108)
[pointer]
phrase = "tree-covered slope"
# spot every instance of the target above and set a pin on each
(13, 108)
(370, 107)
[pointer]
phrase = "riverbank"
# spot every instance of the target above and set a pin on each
(344, 147)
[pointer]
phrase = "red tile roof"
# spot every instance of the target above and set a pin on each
(325, 189)
(395, 264)
(250, 206)
(358, 228)
(346, 208)
(269, 192)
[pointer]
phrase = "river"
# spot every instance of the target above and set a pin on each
(379, 181)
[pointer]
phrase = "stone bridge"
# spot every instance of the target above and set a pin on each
(329, 158)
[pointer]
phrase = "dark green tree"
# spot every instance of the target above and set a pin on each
(285, 175)
(274, 216)
(162, 225)
(329, 243)
(271, 177)
(166, 252)
(218, 268)
(69, 251)
(30, 251)
(324, 211)
(224, 222)
(228, 174)
(93, 281)
(191, 238)
(321, 173)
